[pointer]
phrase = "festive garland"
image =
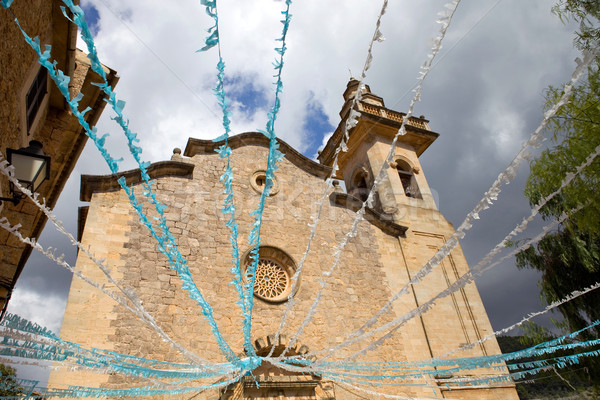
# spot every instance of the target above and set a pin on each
(18, 340)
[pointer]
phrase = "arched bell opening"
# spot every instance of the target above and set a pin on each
(359, 186)
(407, 177)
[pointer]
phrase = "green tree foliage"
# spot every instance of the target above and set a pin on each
(8, 381)
(587, 14)
(576, 130)
(569, 257)
(568, 260)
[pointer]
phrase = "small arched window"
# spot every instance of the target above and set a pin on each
(360, 188)
(409, 183)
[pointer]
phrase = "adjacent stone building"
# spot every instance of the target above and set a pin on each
(32, 108)
(402, 231)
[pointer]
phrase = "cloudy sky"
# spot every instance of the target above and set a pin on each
(484, 96)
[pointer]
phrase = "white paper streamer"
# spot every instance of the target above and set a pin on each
(136, 308)
(569, 297)
(490, 196)
(379, 394)
(397, 323)
(350, 123)
(445, 21)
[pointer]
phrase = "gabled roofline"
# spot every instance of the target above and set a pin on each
(200, 146)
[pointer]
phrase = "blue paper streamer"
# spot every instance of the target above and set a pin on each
(166, 242)
(246, 290)
(224, 151)
(417, 369)
(82, 391)
(380, 373)
(140, 367)
(97, 358)
(212, 39)
(273, 158)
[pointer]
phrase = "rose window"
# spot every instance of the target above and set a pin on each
(273, 274)
(272, 281)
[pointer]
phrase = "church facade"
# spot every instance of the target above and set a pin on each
(402, 230)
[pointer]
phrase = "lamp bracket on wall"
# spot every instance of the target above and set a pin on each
(32, 168)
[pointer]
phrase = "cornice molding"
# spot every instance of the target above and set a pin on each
(379, 220)
(107, 183)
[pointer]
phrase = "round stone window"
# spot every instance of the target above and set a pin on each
(273, 282)
(258, 180)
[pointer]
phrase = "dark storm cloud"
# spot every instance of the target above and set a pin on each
(485, 98)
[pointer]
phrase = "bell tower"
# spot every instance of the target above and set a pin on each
(404, 197)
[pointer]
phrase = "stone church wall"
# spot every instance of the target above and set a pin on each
(355, 290)
(373, 267)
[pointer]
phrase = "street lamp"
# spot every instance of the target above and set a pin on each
(32, 167)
